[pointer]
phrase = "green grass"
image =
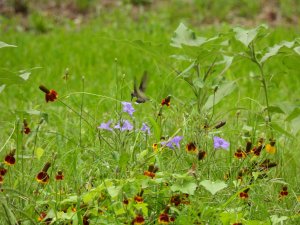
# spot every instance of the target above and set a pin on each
(103, 170)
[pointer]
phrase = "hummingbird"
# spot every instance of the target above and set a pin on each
(138, 92)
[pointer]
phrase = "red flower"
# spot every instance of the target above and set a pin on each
(10, 158)
(26, 129)
(244, 194)
(164, 218)
(151, 171)
(201, 155)
(138, 198)
(166, 101)
(239, 154)
(138, 220)
(191, 148)
(2, 171)
(43, 177)
(176, 200)
(59, 175)
(51, 95)
(283, 192)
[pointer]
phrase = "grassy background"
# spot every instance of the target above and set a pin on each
(104, 51)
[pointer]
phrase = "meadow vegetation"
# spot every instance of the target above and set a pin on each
(146, 112)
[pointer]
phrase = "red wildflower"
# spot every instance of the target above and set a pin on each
(166, 101)
(10, 158)
(42, 216)
(191, 148)
(138, 220)
(164, 218)
(283, 192)
(138, 198)
(239, 154)
(26, 129)
(176, 200)
(2, 171)
(125, 201)
(59, 175)
(151, 171)
(244, 194)
(51, 95)
(43, 177)
(201, 155)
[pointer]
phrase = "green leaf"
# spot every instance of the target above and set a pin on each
(275, 109)
(9, 215)
(222, 92)
(114, 191)
(39, 152)
(228, 61)
(25, 76)
(276, 219)
(293, 115)
(213, 186)
(272, 51)
(3, 45)
(297, 50)
(184, 183)
(247, 36)
(185, 36)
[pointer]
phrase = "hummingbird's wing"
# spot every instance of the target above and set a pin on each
(143, 83)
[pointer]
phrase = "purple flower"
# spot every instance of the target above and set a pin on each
(124, 125)
(174, 141)
(220, 143)
(145, 128)
(127, 107)
(105, 126)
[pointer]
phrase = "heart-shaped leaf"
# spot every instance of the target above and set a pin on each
(213, 186)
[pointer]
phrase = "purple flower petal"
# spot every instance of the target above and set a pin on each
(145, 128)
(128, 108)
(220, 143)
(105, 126)
(124, 125)
(174, 141)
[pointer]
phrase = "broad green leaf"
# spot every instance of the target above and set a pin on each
(187, 186)
(39, 152)
(294, 114)
(114, 191)
(213, 186)
(297, 50)
(222, 92)
(25, 75)
(230, 217)
(9, 215)
(278, 220)
(272, 51)
(227, 61)
(247, 36)
(185, 36)
(275, 109)
(185, 71)
(3, 44)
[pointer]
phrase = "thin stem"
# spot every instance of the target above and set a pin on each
(262, 77)
(81, 111)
